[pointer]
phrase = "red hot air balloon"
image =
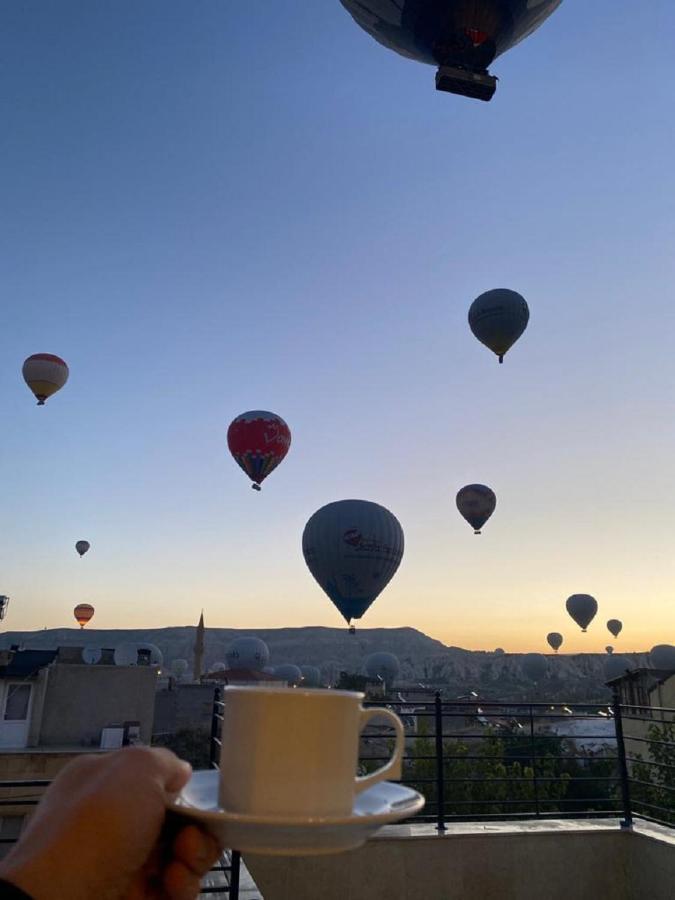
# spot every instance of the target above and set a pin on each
(45, 374)
(83, 613)
(258, 441)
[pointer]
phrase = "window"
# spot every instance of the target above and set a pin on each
(16, 706)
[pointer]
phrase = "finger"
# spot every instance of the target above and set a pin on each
(196, 849)
(180, 883)
(164, 766)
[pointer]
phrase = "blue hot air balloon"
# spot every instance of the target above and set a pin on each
(461, 37)
(352, 548)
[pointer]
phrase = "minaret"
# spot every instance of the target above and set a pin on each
(199, 650)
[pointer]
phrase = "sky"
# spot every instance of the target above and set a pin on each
(213, 207)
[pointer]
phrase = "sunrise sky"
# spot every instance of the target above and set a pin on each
(213, 207)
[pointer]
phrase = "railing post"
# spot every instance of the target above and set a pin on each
(214, 749)
(440, 787)
(533, 751)
(621, 758)
(234, 875)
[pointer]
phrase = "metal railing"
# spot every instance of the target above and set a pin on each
(478, 760)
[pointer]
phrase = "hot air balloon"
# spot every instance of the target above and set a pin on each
(83, 612)
(582, 608)
(385, 666)
(614, 626)
(311, 676)
(45, 374)
(4, 603)
(499, 651)
(616, 666)
(535, 666)
(609, 649)
(461, 37)
(352, 548)
(247, 653)
(82, 547)
(662, 657)
(476, 503)
(258, 441)
(498, 318)
(179, 667)
(555, 640)
(290, 674)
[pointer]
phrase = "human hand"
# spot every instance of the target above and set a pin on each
(97, 833)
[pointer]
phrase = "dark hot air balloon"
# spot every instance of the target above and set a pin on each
(353, 549)
(498, 318)
(82, 547)
(614, 626)
(461, 37)
(258, 441)
(582, 608)
(662, 657)
(555, 640)
(476, 503)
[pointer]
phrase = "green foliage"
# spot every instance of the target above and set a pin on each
(494, 775)
(653, 786)
(192, 744)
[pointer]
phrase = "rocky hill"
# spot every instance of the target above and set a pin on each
(575, 677)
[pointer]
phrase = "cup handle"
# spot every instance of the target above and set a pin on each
(394, 768)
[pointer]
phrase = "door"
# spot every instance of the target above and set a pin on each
(16, 704)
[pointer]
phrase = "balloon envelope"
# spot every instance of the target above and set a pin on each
(353, 549)
(247, 653)
(582, 608)
(615, 666)
(258, 441)
(498, 318)
(534, 666)
(464, 33)
(662, 657)
(609, 649)
(82, 547)
(614, 626)
(45, 374)
(555, 640)
(476, 503)
(383, 665)
(289, 673)
(83, 613)
(311, 676)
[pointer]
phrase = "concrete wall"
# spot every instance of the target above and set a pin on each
(183, 706)
(495, 862)
(24, 765)
(79, 701)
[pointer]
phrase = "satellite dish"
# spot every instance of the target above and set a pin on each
(91, 655)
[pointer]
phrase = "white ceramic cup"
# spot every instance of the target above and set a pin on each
(294, 753)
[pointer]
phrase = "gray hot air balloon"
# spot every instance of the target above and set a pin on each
(582, 608)
(383, 665)
(353, 548)
(498, 318)
(311, 676)
(662, 657)
(499, 651)
(614, 626)
(476, 503)
(609, 649)
(615, 666)
(82, 547)
(555, 640)
(179, 667)
(247, 653)
(535, 666)
(290, 673)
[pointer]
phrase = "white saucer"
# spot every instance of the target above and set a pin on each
(381, 804)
